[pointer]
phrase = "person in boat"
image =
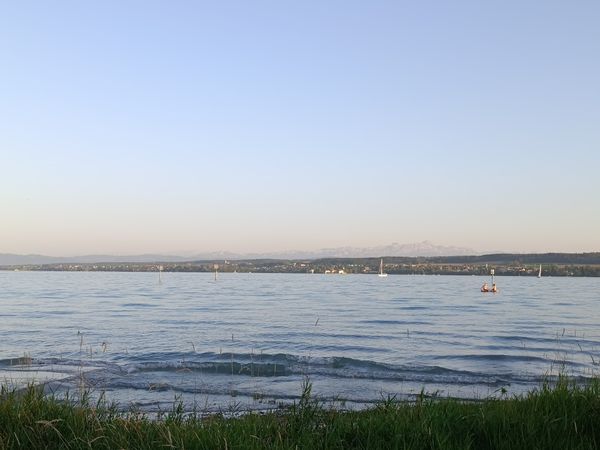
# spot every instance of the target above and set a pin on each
(485, 288)
(494, 288)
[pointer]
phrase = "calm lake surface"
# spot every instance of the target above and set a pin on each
(247, 341)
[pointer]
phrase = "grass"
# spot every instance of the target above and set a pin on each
(561, 416)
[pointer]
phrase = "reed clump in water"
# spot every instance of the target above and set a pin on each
(564, 415)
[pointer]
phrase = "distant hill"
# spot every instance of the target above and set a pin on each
(508, 259)
(425, 248)
(8, 259)
(407, 253)
(523, 258)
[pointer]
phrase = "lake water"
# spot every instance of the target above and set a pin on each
(247, 341)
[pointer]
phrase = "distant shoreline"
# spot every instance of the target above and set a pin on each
(552, 265)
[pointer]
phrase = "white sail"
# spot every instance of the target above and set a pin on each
(381, 273)
(540, 272)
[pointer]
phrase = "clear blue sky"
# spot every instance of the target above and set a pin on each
(146, 126)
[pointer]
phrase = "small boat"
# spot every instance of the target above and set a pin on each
(540, 272)
(381, 272)
(486, 288)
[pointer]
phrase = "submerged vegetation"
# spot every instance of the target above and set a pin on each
(561, 416)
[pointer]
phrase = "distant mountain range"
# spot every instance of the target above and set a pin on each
(8, 259)
(425, 248)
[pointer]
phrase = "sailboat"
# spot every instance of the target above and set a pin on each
(381, 273)
(540, 272)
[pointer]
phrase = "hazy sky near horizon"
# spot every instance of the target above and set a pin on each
(172, 127)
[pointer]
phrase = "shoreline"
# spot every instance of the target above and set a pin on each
(567, 271)
(513, 264)
(559, 415)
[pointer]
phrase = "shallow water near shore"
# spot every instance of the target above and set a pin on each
(247, 341)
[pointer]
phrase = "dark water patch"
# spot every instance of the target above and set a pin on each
(495, 357)
(348, 348)
(19, 361)
(504, 348)
(109, 295)
(212, 373)
(277, 365)
(139, 305)
(351, 336)
(256, 369)
(396, 322)
(557, 340)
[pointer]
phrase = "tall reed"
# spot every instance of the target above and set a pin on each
(561, 415)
